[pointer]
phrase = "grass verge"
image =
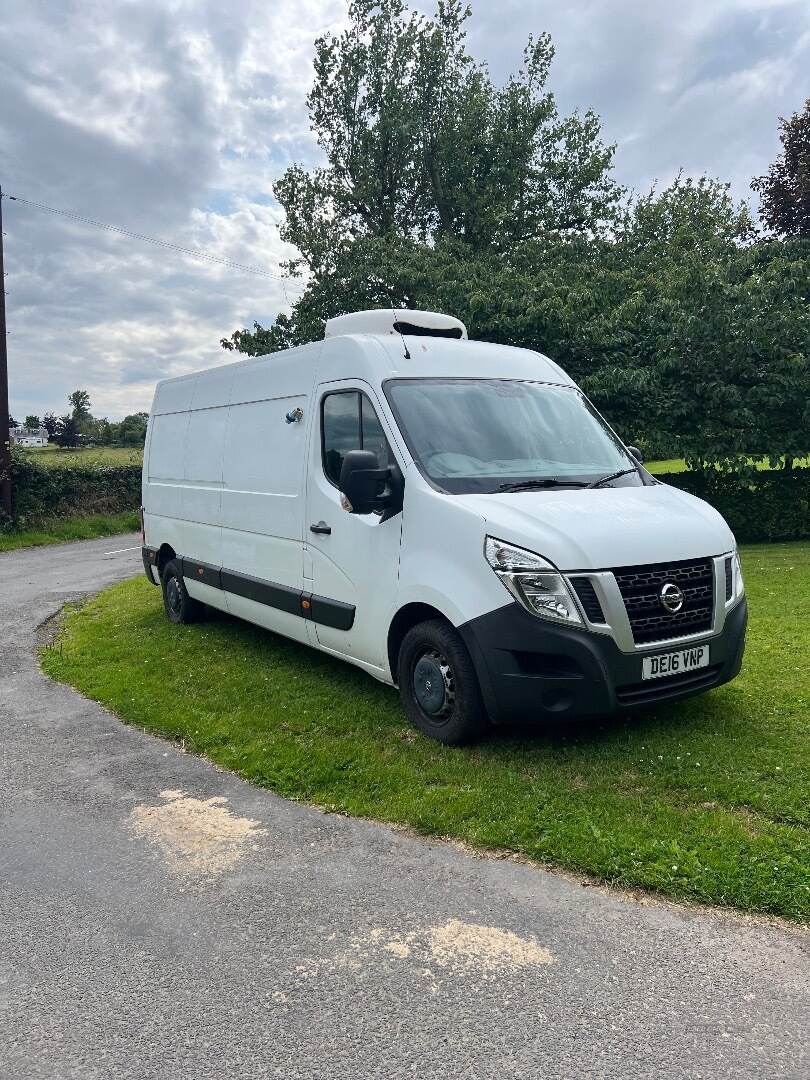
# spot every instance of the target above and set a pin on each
(62, 530)
(706, 800)
(92, 455)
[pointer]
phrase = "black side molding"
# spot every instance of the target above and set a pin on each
(332, 613)
(202, 572)
(320, 609)
(263, 592)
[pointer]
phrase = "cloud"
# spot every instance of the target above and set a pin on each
(693, 85)
(173, 118)
(166, 119)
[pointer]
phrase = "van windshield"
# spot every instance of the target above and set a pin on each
(488, 435)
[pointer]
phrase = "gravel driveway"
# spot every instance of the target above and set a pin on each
(160, 918)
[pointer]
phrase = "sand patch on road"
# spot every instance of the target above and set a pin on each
(485, 947)
(457, 945)
(200, 837)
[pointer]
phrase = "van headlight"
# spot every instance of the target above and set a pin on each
(739, 586)
(532, 580)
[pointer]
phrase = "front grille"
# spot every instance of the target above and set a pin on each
(640, 587)
(729, 585)
(587, 597)
(671, 686)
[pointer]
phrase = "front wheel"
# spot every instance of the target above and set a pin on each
(178, 605)
(438, 685)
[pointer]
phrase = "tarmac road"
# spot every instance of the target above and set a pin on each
(160, 918)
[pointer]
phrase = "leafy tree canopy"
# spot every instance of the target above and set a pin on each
(67, 431)
(443, 191)
(82, 417)
(420, 144)
(784, 191)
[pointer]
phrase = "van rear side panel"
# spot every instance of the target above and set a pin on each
(164, 488)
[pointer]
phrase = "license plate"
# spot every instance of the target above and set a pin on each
(675, 663)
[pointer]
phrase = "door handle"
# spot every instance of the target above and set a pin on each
(321, 527)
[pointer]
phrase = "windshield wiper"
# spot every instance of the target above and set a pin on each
(546, 482)
(612, 476)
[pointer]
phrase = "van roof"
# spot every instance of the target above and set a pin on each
(371, 358)
(383, 356)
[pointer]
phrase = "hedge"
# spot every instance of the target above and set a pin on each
(68, 491)
(769, 506)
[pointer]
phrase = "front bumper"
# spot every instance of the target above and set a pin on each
(530, 669)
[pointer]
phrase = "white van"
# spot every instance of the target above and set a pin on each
(452, 516)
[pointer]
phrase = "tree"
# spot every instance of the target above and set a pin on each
(32, 421)
(443, 191)
(420, 144)
(427, 162)
(132, 430)
(80, 400)
(784, 192)
(67, 431)
(49, 422)
(102, 431)
(258, 342)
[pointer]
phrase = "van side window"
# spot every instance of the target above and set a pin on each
(349, 422)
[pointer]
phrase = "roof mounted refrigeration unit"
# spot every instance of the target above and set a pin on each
(404, 321)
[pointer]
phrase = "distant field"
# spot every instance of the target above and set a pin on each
(670, 466)
(676, 465)
(94, 455)
(123, 455)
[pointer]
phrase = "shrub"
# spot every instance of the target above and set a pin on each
(69, 491)
(765, 507)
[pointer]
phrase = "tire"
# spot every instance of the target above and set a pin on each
(438, 685)
(178, 605)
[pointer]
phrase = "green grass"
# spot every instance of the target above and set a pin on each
(706, 800)
(61, 530)
(671, 465)
(93, 455)
(676, 465)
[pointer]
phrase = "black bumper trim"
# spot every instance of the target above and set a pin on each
(529, 669)
(149, 557)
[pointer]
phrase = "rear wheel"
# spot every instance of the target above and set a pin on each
(438, 685)
(178, 605)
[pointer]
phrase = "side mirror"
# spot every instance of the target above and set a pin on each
(363, 484)
(634, 450)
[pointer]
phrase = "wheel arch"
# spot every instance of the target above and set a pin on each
(165, 554)
(408, 616)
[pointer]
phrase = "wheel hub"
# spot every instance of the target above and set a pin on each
(433, 685)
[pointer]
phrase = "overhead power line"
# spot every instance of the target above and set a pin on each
(205, 256)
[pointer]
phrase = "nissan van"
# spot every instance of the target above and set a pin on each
(452, 516)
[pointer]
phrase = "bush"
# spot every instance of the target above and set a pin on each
(69, 491)
(771, 505)
(762, 508)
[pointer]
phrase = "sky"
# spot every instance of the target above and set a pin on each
(172, 118)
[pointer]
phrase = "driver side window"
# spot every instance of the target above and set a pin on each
(349, 422)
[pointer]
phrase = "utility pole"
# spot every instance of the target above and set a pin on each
(5, 434)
